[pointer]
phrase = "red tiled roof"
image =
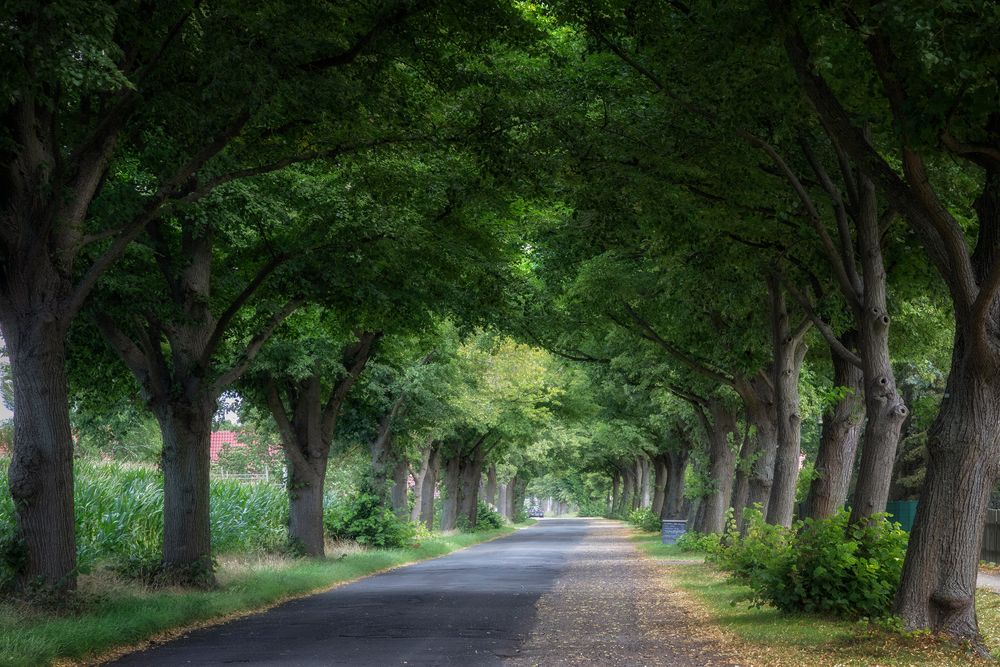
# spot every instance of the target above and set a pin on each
(221, 439)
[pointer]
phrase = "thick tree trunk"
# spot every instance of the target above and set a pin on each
(838, 442)
(418, 482)
(450, 497)
(41, 468)
(491, 485)
(789, 351)
(758, 399)
(673, 501)
(400, 484)
(305, 509)
(187, 546)
(938, 586)
(471, 474)
(429, 486)
(719, 424)
(519, 485)
(502, 505)
(637, 481)
(661, 465)
(883, 405)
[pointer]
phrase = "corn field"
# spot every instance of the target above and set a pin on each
(119, 510)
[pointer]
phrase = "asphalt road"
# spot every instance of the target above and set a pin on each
(473, 607)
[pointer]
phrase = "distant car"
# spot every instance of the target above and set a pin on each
(536, 513)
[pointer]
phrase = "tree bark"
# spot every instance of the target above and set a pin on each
(616, 479)
(883, 404)
(503, 505)
(400, 482)
(491, 485)
(673, 501)
(661, 465)
(719, 422)
(789, 350)
(419, 475)
(452, 486)
(758, 400)
(838, 442)
(305, 510)
(471, 474)
(645, 484)
(938, 586)
(187, 545)
(40, 476)
(429, 486)
(307, 424)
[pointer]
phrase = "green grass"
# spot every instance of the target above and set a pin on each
(119, 614)
(768, 637)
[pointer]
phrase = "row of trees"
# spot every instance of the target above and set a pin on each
(716, 210)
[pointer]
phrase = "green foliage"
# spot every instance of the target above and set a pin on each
(366, 519)
(119, 518)
(827, 566)
(644, 519)
(487, 518)
(698, 542)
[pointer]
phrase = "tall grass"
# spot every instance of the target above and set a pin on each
(119, 513)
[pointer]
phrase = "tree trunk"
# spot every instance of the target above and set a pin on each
(938, 586)
(673, 501)
(491, 486)
(741, 483)
(637, 489)
(418, 481)
(719, 423)
(789, 351)
(502, 505)
(519, 485)
(429, 486)
(616, 479)
(400, 483)
(305, 509)
(187, 546)
(838, 441)
(645, 498)
(661, 464)
(40, 476)
(883, 405)
(758, 399)
(471, 474)
(449, 500)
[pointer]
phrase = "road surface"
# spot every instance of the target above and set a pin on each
(563, 592)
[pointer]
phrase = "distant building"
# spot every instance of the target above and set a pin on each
(221, 440)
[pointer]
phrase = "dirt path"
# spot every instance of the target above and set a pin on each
(611, 606)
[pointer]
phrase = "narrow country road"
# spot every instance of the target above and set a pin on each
(563, 592)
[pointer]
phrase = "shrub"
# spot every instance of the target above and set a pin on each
(709, 542)
(366, 519)
(487, 518)
(827, 566)
(644, 519)
(745, 557)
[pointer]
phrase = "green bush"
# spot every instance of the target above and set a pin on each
(699, 542)
(645, 519)
(827, 566)
(487, 518)
(367, 519)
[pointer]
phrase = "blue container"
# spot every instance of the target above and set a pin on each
(672, 529)
(903, 512)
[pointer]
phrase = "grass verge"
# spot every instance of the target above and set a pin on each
(765, 636)
(111, 614)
